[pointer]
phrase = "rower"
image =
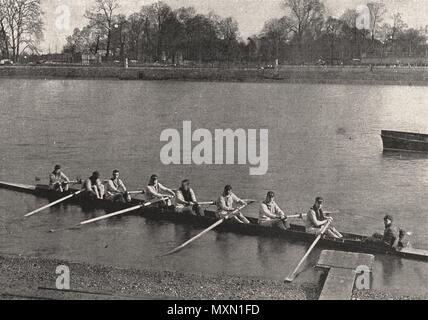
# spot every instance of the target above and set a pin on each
(58, 180)
(116, 190)
(225, 205)
(186, 200)
(271, 215)
(93, 188)
(155, 190)
(316, 219)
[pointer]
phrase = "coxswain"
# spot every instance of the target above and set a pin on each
(186, 199)
(390, 234)
(156, 190)
(93, 187)
(316, 219)
(271, 215)
(116, 190)
(58, 180)
(225, 205)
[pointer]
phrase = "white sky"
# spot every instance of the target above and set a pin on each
(250, 14)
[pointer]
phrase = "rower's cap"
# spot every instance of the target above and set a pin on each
(57, 167)
(271, 194)
(96, 174)
(115, 171)
(154, 177)
(388, 217)
(319, 199)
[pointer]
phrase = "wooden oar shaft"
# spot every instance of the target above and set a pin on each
(53, 203)
(206, 203)
(106, 216)
(297, 215)
(205, 231)
(291, 277)
(135, 192)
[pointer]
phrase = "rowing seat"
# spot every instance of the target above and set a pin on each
(342, 272)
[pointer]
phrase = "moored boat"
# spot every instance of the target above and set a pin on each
(404, 141)
(351, 242)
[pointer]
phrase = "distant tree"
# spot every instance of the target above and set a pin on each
(21, 25)
(101, 17)
(228, 33)
(397, 28)
(277, 32)
(412, 40)
(305, 14)
(333, 28)
(377, 11)
(4, 41)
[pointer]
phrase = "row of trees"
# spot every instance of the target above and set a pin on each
(156, 33)
(21, 27)
(306, 34)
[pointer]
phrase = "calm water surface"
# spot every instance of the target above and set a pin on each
(323, 140)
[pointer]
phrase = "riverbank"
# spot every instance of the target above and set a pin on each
(35, 278)
(287, 74)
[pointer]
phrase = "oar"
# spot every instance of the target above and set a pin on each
(135, 192)
(207, 203)
(299, 215)
(292, 275)
(53, 203)
(106, 216)
(205, 231)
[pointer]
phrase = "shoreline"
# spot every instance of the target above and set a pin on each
(35, 277)
(285, 74)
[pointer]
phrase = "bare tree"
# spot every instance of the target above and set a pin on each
(22, 25)
(4, 45)
(303, 14)
(398, 27)
(333, 28)
(278, 31)
(377, 11)
(102, 17)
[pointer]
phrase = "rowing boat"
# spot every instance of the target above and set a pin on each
(404, 141)
(351, 242)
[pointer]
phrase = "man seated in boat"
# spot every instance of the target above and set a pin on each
(156, 190)
(58, 180)
(186, 200)
(271, 215)
(390, 236)
(93, 187)
(116, 190)
(225, 205)
(316, 219)
(403, 240)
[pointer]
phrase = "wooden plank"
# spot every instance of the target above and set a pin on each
(344, 260)
(338, 285)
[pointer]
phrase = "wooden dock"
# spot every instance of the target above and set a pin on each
(342, 271)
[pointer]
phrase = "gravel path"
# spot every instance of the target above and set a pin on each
(34, 278)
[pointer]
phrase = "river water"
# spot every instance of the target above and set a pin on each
(323, 140)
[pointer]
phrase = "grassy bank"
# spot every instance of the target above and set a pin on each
(34, 278)
(286, 74)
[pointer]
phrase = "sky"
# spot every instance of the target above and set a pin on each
(62, 16)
